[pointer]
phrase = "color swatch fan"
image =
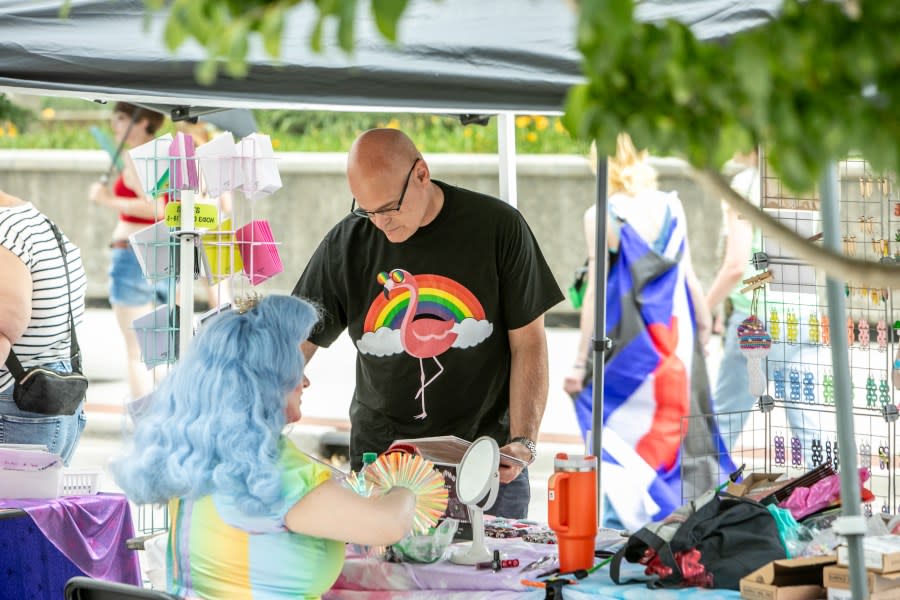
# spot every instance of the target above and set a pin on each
(399, 469)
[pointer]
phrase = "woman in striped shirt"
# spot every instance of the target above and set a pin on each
(35, 301)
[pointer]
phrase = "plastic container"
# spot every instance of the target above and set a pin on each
(30, 484)
(80, 483)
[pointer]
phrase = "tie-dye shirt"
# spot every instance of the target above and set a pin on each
(216, 551)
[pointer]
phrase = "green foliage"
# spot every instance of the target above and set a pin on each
(309, 131)
(13, 115)
(811, 86)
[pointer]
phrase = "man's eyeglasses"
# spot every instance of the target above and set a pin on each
(369, 214)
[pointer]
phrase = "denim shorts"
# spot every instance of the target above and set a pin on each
(59, 433)
(513, 498)
(127, 286)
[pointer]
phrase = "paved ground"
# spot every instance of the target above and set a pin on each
(325, 403)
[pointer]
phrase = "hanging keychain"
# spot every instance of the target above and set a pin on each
(883, 393)
(755, 343)
(828, 388)
(809, 387)
(795, 384)
(826, 330)
(882, 336)
(778, 376)
(774, 325)
(863, 333)
(779, 449)
(871, 395)
(793, 327)
(813, 328)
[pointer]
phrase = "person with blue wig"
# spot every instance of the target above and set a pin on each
(250, 515)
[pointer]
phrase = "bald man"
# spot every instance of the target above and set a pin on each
(443, 291)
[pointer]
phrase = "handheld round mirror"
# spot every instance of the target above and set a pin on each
(477, 477)
(477, 470)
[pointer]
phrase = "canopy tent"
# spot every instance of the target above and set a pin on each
(454, 56)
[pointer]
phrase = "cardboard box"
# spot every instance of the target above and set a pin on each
(787, 579)
(755, 482)
(842, 594)
(881, 553)
(838, 578)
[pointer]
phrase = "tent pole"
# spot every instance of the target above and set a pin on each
(186, 271)
(851, 523)
(599, 341)
(506, 149)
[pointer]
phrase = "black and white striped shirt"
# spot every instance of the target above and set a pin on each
(26, 233)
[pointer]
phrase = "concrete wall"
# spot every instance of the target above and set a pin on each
(553, 193)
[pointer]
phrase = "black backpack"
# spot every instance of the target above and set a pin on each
(734, 536)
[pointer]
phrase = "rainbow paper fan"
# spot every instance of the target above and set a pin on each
(399, 469)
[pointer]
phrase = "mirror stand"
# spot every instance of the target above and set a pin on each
(477, 551)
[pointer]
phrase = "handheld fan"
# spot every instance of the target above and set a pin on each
(399, 469)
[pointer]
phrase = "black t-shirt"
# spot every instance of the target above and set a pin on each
(473, 274)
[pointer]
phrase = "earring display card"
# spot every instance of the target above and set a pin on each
(222, 254)
(151, 162)
(261, 176)
(157, 334)
(154, 248)
(259, 252)
(219, 161)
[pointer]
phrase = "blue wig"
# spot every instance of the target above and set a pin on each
(215, 421)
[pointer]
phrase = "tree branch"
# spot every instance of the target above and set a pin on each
(838, 266)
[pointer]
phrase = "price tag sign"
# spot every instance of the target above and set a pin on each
(204, 215)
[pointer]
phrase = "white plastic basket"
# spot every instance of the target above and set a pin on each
(80, 483)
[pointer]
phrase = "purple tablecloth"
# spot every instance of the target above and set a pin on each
(90, 531)
(370, 579)
(376, 580)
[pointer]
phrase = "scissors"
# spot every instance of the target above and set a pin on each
(549, 558)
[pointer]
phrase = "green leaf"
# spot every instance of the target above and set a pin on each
(315, 38)
(387, 14)
(174, 34)
(271, 30)
(206, 71)
(346, 19)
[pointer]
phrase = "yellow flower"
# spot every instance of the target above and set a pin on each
(393, 124)
(531, 137)
(2, 131)
(467, 132)
(276, 143)
(523, 121)
(48, 113)
(558, 126)
(541, 121)
(12, 130)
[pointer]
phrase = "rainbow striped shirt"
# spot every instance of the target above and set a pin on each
(215, 551)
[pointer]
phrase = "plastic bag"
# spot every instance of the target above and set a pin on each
(427, 548)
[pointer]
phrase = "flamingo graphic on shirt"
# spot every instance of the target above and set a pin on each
(424, 316)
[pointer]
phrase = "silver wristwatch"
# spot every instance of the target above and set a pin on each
(528, 443)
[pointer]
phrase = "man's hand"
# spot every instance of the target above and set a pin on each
(574, 381)
(508, 472)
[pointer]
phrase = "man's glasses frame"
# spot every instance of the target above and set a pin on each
(369, 214)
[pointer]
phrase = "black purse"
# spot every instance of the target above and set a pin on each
(45, 391)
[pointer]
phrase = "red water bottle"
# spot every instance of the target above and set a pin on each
(572, 509)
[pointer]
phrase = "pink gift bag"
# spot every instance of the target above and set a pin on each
(184, 165)
(259, 253)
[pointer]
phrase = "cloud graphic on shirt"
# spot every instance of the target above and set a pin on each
(471, 332)
(382, 342)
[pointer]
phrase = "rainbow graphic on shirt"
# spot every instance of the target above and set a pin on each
(439, 298)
